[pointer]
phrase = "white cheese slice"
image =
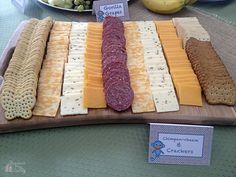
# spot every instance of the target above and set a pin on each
(165, 100)
(77, 49)
(75, 57)
(68, 78)
(70, 88)
(72, 104)
(154, 58)
(76, 52)
(76, 46)
(157, 68)
(78, 40)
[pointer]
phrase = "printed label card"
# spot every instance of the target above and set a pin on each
(117, 8)
(180, 144)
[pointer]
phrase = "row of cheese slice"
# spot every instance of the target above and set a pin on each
(150, 78)
(51, 74)
(72, 99)
(185, 81)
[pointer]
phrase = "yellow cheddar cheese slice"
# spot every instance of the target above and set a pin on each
(188, 81)
(94, 43)
(93, 55)
(96, 37)
(189, 94)
(173, 50)
(95, 78)
(95, 69)
(93, 50)
(94, 85)
(93, 62)
(88, 72)
(94, 82)
(184, 78)
(165, 23)
(182, 72)
(96, 64)
(173, 69)
(91, 25)
(94, 31)
(94, 97)
(177, 65)
(168, 37)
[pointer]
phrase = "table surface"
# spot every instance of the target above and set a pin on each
(109, 150)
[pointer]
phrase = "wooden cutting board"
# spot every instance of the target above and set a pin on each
(206, 115)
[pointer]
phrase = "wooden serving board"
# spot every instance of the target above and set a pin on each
(206, 115)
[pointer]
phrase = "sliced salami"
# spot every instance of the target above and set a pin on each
(111, 21)
(113, 65)
(114, 59)
(122, 72)
(118, 92)
(112, 41)
(114, 38)
(119, 96)
(108, 47)
(116, 78)
(113, 53)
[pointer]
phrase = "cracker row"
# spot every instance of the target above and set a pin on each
(217, 85)
(18, 96)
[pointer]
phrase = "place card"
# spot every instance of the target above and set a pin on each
(180, 144)
(117, 8)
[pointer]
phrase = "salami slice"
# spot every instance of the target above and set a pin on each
(123, 72)
(118, 92)
(111, 21)
(112, 41)
(114, 77)
(112, 31)
(108, 47)
(119, 96)
(114, 53)
(113, 65)
(114, 59)
(113, 38)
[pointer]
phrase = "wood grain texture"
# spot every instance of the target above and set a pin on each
(206, 115)
(223, 37)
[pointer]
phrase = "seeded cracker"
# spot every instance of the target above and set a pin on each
(214, 79)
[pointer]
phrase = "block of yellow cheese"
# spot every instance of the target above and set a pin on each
(94, 43)
(94, 97)
(93, 88)
(185, 81)
(189, 94)
(93, 55)
(93, 50)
